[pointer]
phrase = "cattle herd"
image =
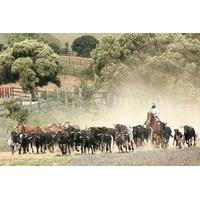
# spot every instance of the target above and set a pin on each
(68, 137)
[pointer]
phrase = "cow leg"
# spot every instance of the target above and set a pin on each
(76, 147)
(110, 147)
(41, 150)
(64, 148)
(45, 147)
(194, 140)
(84, 149)
(24, 149)
(32, 147)
(52, 147)
(132, 147)
(102, 146)
(28, 150)
(69, 149)
(60, 146)
(91, 147)
(49, 147)
(12, 149)
(180, 146)
(37, 149)
(126, 147)
(20, 149)
(121, 148)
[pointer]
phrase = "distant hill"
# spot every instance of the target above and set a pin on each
(70, 37)
(60, 38)
(4, 38)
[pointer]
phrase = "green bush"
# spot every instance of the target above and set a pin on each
(15, 110)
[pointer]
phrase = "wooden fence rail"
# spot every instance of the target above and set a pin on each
(73, 65)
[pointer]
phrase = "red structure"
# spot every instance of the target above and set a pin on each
(6, 92)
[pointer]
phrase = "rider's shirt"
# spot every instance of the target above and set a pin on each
(154, 111)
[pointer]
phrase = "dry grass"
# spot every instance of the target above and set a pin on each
(47, 159)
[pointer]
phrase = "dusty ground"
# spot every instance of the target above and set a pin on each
(156, 157)
(141, 157)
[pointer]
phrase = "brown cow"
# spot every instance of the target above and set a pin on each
(25, 128)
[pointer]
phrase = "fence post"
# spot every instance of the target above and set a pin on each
(65, 97)
(30, 101)
(38, 104)
(57, 93)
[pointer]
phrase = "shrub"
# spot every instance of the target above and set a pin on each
(15, 110)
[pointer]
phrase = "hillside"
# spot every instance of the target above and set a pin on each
(60, 38)
(4, 38)
(68, 79)
(70, 37)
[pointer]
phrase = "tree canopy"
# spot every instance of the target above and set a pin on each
(30, 62)
(162, 63)
(84, 45)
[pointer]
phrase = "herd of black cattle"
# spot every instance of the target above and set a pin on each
(71, 138)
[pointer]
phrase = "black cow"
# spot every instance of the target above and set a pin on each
(189, 135)
(87, 142)
(63, 139)
(178, 138)
(124, 138)
(39, 141)
(24, 142)
(105, 139)
(75, 140)
(74, 137)
(141, 135)
(13, 141)
(20, 142)
(166, 133)
(50, 139)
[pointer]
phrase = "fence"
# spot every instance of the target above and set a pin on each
(6, 92)
(47, 100)
(73, 65)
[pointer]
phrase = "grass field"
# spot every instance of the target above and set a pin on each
(47, 159)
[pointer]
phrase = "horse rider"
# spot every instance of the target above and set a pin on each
(155, 112)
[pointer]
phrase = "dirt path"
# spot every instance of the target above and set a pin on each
(140, 157)
(167, 157)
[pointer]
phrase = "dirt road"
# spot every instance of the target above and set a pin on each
(140, 157)
(167, 157)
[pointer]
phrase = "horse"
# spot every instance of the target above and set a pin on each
(155, 133)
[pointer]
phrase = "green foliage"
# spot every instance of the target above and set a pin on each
(22, 115)
(16, 111)
(86, 92)
(30, 62)
(18, 37)
(60, 50)
(160, 62)
(1, 47)
(84, 45)
(87, 74)
(55, 47)
(129, 46)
